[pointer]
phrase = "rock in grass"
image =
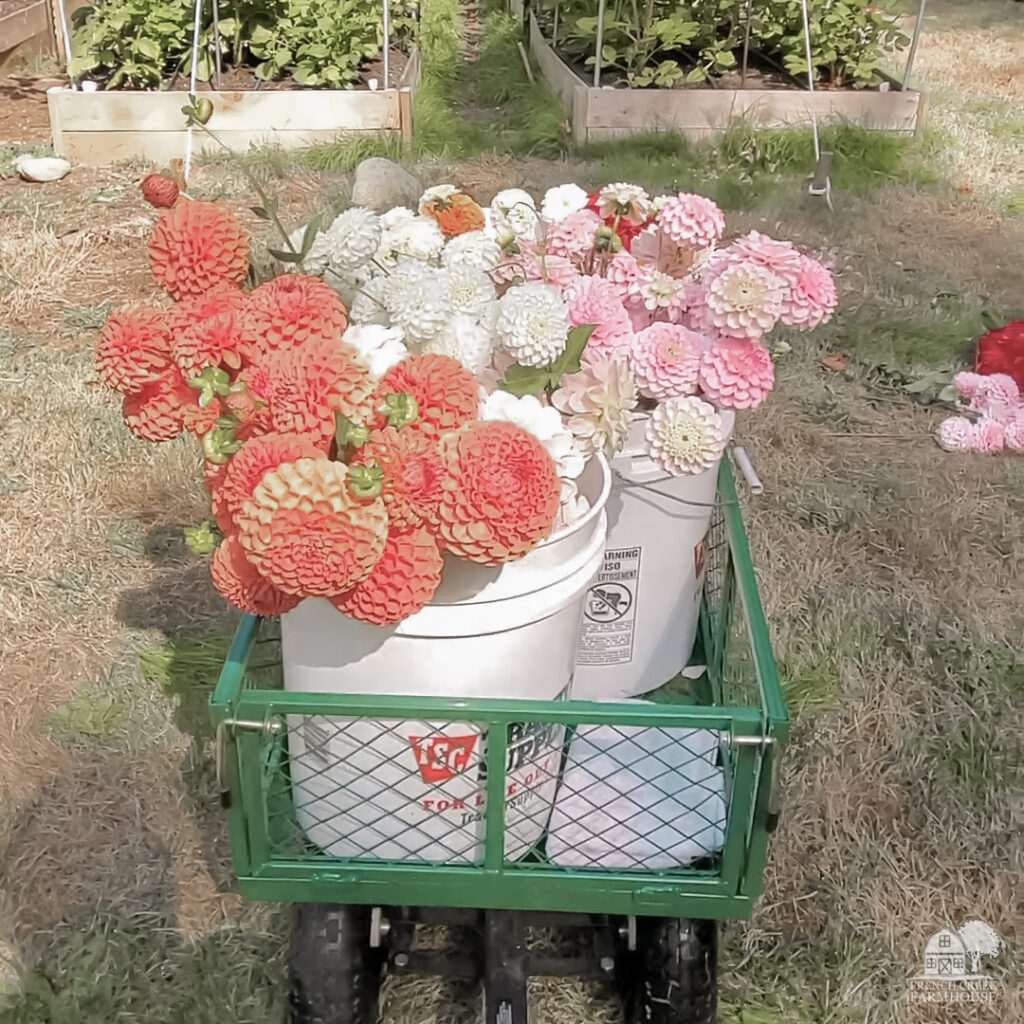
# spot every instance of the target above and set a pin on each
(41, 168)
(382, 184)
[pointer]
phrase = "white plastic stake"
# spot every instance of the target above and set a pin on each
(746, 467)
(600, 43)
(387, 41)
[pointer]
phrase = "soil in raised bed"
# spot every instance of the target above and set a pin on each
(243, 78)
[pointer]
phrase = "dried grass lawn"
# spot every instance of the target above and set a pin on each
(891, 574)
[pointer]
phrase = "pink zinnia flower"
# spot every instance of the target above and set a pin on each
(556, 270)
(987, 436)
(593, 300)
(573, 237)
(968, 383)
(691, 221)
(666, 360)
(782, 258)
(737, 373)
(745, 300)
(811, 297)
(955, 434)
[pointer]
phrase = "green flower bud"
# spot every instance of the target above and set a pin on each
(365, 481)
(400, 408)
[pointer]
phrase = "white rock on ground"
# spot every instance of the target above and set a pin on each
(382, 184)
(41, 168)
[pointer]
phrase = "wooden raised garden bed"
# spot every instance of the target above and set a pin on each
(99, 128)
(601, 113)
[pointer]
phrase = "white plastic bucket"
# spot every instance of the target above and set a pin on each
(640, 615)
(412, 790)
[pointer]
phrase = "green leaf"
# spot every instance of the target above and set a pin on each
(570, 360)
(201, 539)
(148, 48)
(309, 237)
(285, 257)
(524, 380)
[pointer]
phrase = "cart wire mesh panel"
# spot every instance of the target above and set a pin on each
(655, 806)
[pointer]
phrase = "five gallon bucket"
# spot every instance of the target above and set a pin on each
(413, 790)
(640, 615)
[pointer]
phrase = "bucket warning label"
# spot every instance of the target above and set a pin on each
(609, 611)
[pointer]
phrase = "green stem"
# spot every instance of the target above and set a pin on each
(258, 188)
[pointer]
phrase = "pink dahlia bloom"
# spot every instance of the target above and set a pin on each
(987, 436)
(1013, 436)
(625, 273)
(782, 258)
(736, 373)
(662, 294)
(811, 298)
(996, 395)
(573, 236)
(666, 360)
(691, 221)
(593, 300)
(745, 300)
(556, 270)
(955, 434)
(698, 314)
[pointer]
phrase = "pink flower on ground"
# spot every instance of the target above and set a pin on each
(968, 383)
(955, 434)
(736, 373)
(666, 360)
(811, 298)
(996, 395)
(987, 436)
(691, 221)
(593, 300)
(1013, 437)
(745, 300)
(573, 237)
(782, 258)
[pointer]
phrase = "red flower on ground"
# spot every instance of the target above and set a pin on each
(206, 330)
(237, 579)
(289, 311)
(501, 494)
(159, 191)
(305, 386)
(1002, 351)
(197, 246)
(255, 459)
(157, 412)
(402, 582)
(412, 474)
(134, 348)
(307, 533)
(446, 392)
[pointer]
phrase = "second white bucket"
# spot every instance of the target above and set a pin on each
(414, 790)
(640, 615)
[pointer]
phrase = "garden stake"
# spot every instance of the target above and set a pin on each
(215, 6)
(918, 26)
(387, 40)
(820, 182)
(600, 43)
(746, 43)
(192, 87)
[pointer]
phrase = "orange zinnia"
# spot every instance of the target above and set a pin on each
(455, 215)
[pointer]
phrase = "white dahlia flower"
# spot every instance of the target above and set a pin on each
(354, 237)
(562, 200)
(463, 339)
(533, 323)
(471, 292)
(416, 238)
(381, 347)
(514, 210)
(685, 435)
(472, 249)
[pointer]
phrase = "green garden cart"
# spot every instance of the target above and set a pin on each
(649, 926)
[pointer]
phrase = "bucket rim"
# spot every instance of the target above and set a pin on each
(596, 507)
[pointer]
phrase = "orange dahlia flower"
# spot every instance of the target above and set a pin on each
(289, 311)
(256, 458)
(197, 246)
(412, 474)
(305, 386)
(134, 348)
(447, 393)
(157, 412)
(199, 419)
(248, 408)
(501, 494)
(402, 582)
(455, 215)
(207, 330)
(237, 579)
(307, 533)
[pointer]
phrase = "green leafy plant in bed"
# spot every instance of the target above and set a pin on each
(663, 42)
(141, 43)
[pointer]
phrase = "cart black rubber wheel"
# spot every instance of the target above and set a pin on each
(676, 980)
(333, 972)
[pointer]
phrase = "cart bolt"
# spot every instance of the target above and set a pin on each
(401, 960)
(607, 964)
